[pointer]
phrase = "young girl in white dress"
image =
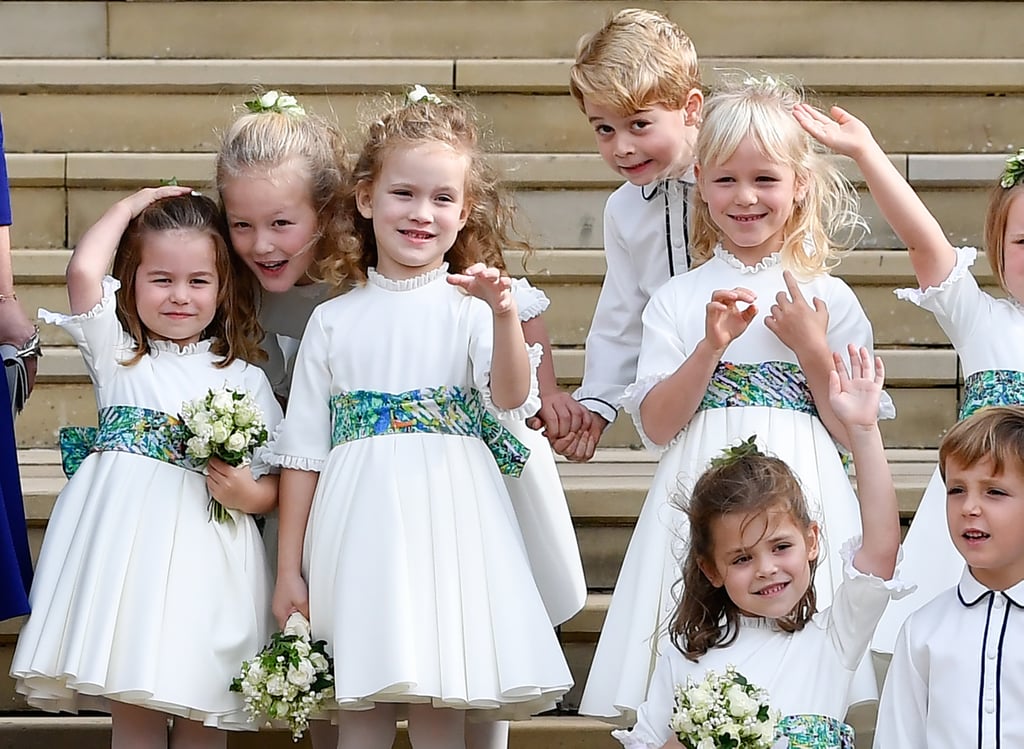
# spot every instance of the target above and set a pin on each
(398, 537)
(142, 605)
(748, 596)
(738, 346)
(983, 329)
(279, 173)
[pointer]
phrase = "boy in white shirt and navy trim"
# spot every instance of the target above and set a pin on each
(957, 674)
(638, 81)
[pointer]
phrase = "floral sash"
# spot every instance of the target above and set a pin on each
(444, 410)
(815, 732)
(992, 387)
(775, 384)
(128, 429)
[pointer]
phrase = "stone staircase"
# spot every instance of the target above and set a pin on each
(99, 98)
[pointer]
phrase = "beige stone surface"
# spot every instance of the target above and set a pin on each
(53, 29)
(39, 215)
(34, 169)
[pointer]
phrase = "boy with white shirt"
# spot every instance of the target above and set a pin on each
(957, 673)
(638, 81)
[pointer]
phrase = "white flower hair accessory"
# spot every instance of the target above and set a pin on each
(420, 93)
(762, 81)
(1013, 172)
(276, 101)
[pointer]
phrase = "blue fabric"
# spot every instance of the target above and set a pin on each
(5, 187)
(15, 562)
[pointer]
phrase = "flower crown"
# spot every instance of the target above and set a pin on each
(420, 93)
(745, 449)
(1013, 172)
(275, 101)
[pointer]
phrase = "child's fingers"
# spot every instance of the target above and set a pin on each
(835, 387)
(840, 368)
(879, 371)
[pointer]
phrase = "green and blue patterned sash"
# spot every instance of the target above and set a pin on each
(127, 429)
(992, 387)
(774, 384)
(445, 410)
(815, 732)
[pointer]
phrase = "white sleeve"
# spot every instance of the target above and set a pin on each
(304, 439)
(903, 709)
(661, 354)
(654, 716)
(259, 386)
(613, 342)
(530, 301)
(481, 348)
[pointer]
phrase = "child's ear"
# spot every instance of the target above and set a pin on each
(697, 182)
(813, 533)
(711, 573)
(467, 208)
(800, 190)
(364, 200)
(694, 107)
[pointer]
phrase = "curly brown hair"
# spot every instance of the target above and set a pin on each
(755, 485)
(489, 228)
(235, 331)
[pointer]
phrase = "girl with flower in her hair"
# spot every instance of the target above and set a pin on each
(398, 538)
(739, 345)
(142, 606)
(747, 587)
(984, 330)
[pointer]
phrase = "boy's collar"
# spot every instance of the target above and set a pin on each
(654, 189)
(970, 591)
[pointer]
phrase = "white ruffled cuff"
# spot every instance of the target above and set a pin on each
(110, 287)
(532, 403)
(886, 408)
(636, 738)
(530, 301)
(295, 462)
(262, 464)
(898, 587)
(632, 397)
(965, 257)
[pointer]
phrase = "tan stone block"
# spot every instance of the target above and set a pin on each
(34, 169)
(922, 416)
(54, 29)
(38, 217)
(52, 407)
(40, 266)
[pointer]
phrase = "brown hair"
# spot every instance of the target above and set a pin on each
(404, 124)
(761, 108)
(996, 433)
(234, 328)
(638, 58)
(754, 484)
(995, 227)
(268, 141)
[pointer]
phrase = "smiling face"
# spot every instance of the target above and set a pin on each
(985, 512)
(763, 561)
(417, 204)
(750, 199)
(176, 284)
(654, 143)
(273, 225)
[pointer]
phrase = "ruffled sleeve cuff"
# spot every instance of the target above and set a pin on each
(632, 397)
(106, 304)
(530, 300)
(897, 587)
(886, 408)
(965, 257)
(261, 464)
(636, 738)
(276, 457)
(532, 403)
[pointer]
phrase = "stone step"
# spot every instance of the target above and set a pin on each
(497, 28)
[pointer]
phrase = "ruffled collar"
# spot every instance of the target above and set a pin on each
(199, 347)
(406, 284)
(757, 622)
(731, 260)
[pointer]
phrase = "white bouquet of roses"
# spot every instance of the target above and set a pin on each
(227, 424)
(289, 680)
(725, 711)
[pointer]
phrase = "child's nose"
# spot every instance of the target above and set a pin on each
(419, 210)
(623, 144)
(746, 195)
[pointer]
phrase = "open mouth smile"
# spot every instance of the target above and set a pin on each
(416, 234)
(770, 591)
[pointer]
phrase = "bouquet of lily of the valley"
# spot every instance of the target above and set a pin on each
(289, 680)
(725, 711)
(227, 424)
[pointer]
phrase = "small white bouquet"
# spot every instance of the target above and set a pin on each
(289, 680)
(227, 424)
(725, 711)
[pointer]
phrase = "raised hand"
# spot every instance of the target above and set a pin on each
(796, 323)
(854, 395)
(488, 284)
(138, 201)
(724, 320)
(842, 132)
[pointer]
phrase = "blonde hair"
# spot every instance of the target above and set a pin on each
(235, 331)
(405, 124)
(998, 210)
(826, 218)
(995, 432)
(638, 58)
(264, 142)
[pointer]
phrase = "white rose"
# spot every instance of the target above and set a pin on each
(297, 625)
(198, 448)
(220, 432)
(302, 675)
(255, 674)
(236, 442)
(222, 401)
(707, 743)
(281, 709)
(268, 99)
(319, 662)
(740, 705)
(276, 685)
(302, 648)
(244, 415)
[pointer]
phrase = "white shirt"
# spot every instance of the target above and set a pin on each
(956, 680)
(646, 235)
